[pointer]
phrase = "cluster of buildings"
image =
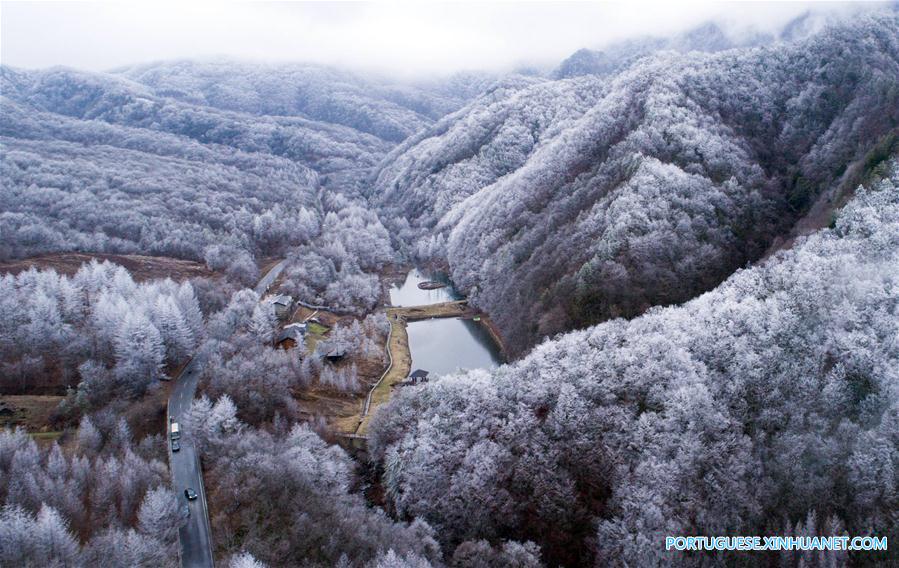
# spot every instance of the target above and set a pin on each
(293, 334)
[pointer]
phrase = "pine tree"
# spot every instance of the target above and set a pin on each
(55, 544)
(187, 301)
(160, 514)
(263, 321)
(139, 351)
(45, 325)
(176, 334)
(198, 422)
(89, 438)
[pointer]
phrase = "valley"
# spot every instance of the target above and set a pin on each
(549, 315)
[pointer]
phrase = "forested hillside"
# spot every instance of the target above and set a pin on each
(689, 246)
(709, 37)
(111, 99)
(98, 163)
(582, 199)
(221, 162)
(390, 111)
(767, 406)
(61, 195)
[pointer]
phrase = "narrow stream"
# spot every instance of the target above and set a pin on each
(443, 345)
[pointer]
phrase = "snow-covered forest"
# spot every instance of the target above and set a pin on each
(688, 245)
(599, 196)
(53, 327)
(766, 406)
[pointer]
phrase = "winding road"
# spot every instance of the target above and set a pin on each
(195, 536)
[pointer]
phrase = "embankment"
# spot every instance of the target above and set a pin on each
(400, 358)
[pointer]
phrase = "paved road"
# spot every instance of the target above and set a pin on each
(266, 281)
(195, 536)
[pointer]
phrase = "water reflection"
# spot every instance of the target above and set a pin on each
(409, 294)
(441, 346)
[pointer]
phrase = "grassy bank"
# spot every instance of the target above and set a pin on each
(399, 367)
(400, 357)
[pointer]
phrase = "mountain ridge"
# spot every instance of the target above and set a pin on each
(742, 141)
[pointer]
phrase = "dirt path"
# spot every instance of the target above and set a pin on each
(400, 363)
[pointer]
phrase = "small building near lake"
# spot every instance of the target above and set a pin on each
(336, 353)
(417, 377)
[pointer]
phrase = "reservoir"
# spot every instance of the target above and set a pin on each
(443, 345)
(409, 294)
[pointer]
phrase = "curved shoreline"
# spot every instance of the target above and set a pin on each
(493, 330)
(399, 356)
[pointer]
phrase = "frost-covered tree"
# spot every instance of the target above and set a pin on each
(210, 424)
(174, 330)
(245, 560)
(89, 438)
(764, 404)
(139, 350)
(263, 322)
(160, 514)
(41, 540)
(558, 204)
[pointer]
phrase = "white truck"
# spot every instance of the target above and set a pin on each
(176, 431)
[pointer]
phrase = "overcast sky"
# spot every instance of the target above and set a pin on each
(399, 38)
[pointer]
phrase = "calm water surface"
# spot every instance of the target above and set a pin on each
(443, 345)
(409, 294)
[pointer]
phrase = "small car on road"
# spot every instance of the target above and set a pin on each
(190, 494)
(176, 445)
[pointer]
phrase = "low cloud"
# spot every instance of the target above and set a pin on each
(396, 38)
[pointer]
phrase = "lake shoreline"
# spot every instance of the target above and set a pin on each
(495, 334)
(418, 303)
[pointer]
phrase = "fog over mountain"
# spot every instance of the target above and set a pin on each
(685, 235)
(598, 196)
(406, 39)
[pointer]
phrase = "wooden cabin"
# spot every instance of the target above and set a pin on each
(417, 377)
(291, 336)
(282, 304)
(336, 353)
